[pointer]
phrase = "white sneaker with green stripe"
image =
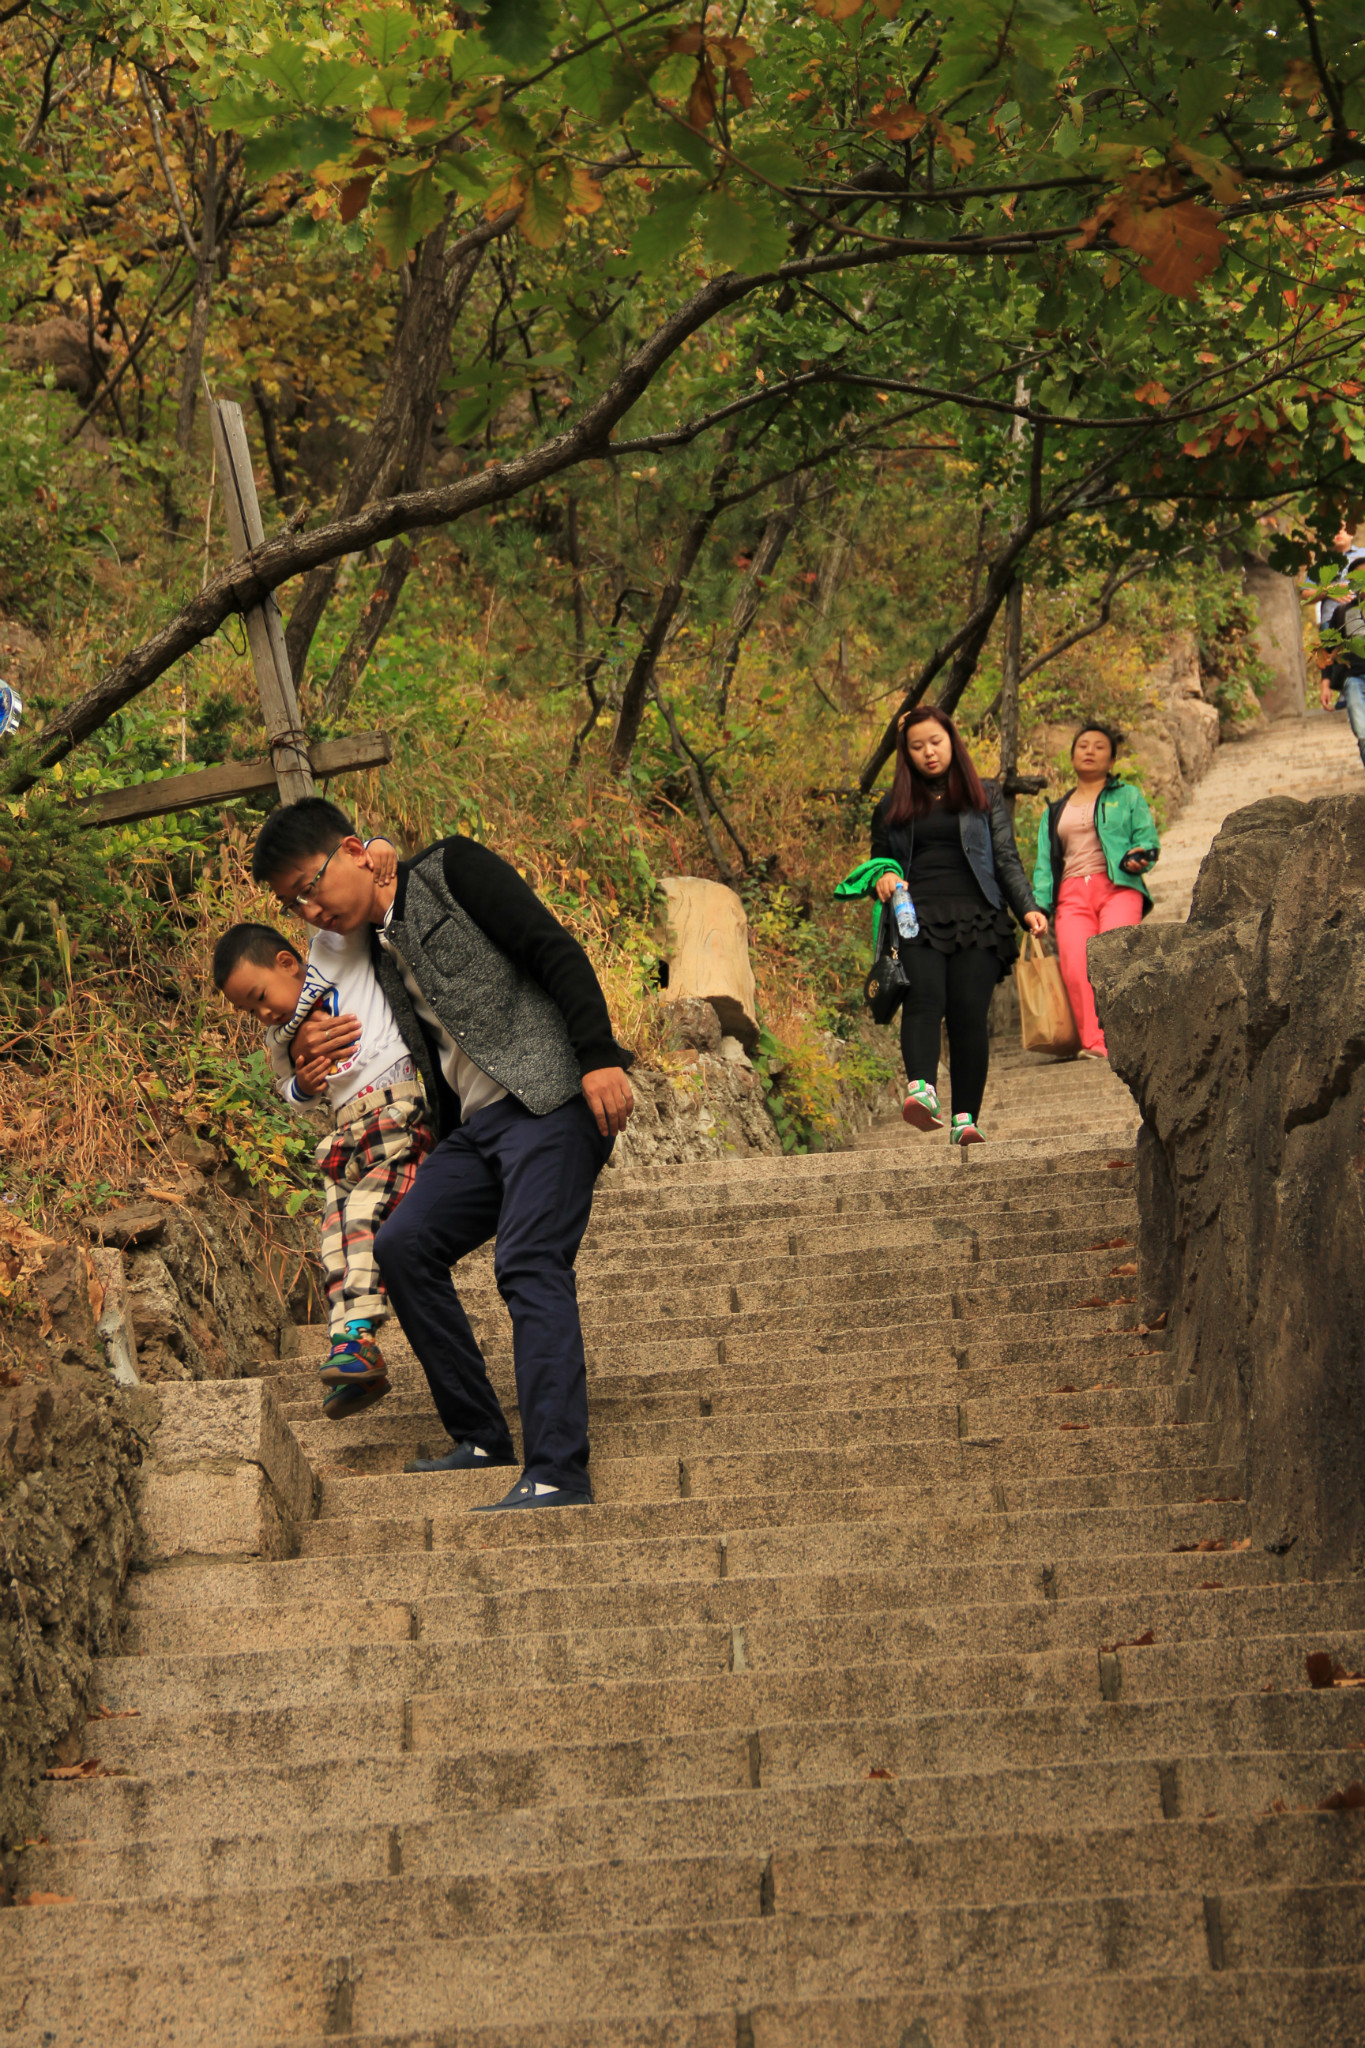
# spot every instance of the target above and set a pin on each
(963, 1130)
(922, 1107)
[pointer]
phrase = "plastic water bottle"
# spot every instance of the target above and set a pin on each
(11, 710)
(903, 910)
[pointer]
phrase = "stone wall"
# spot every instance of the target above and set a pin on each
(69, 1452)
(1242, 1036)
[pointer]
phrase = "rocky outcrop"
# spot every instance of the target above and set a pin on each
(1279, 637)
(60, 349)
(1242, 1036)
(1178, 738)
(69, 1451)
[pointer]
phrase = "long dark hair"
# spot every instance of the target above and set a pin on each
(910, 795)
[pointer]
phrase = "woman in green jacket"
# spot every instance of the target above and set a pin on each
(1094, 846)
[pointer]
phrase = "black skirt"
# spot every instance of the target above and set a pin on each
(955, 924)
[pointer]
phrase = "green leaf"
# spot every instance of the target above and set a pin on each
(286, 66)
(410, 208)
(299, 146)
(386, 30)
(458, 174)
(542, 217)
(665, 232)
(658, 137)
(771, 160)
(584, 82)
(522, 31)
(739, 235)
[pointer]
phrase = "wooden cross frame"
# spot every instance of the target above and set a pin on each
(292, 764)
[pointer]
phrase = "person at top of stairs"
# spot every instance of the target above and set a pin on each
(1342, 612)
(953, 841)
(1095, 844)
(501, 1011)
(380, 1133)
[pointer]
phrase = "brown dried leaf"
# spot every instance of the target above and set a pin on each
(1095, 1301)
(1123, 1272)
(1067, 1389)
(45, 1899)
(1210, 1585)
(880, 1771)
(701, 101)
(1346, 1800)
(354, 197)
(1205, 1543)
(1074, 1425)
(1142, 1642)
(896, 119)
(110, 1714)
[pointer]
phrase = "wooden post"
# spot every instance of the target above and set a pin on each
(708, 953)
(264, 626)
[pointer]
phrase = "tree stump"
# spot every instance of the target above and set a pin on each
(707, 949)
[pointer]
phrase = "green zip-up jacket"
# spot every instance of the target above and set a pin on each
(1124, 825)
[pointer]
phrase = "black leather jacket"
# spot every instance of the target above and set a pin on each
(987, 841)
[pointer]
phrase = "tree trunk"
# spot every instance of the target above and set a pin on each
(1009, 692)
(205, 262)
(369, 628)
(393, 454)
(641, 678)
(781, 523)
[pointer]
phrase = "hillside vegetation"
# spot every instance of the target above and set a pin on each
(1089, 353)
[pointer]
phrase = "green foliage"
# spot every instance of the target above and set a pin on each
(55, 895)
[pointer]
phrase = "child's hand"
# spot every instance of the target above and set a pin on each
(310, 1076)
(383, 860)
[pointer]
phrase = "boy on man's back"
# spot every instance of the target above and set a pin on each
(381, 1131)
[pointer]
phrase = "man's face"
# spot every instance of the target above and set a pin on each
(333, 891)
(270, 992)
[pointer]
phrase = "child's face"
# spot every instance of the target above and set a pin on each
(270, 993)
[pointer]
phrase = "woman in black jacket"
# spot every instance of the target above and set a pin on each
(952, 838)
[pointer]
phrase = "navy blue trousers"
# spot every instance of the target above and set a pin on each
(529, 1181)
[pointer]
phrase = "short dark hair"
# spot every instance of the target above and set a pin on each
(1114, 737)
(258, 943)
(297, 831)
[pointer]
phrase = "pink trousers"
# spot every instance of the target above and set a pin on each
(1085, 905)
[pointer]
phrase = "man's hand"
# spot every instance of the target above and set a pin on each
(607, 1094)
(1035, 921)
(324, 1038)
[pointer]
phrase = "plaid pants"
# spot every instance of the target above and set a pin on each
(369, 1162)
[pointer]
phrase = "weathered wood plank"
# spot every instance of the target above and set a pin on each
(264, 627)
(223, 785)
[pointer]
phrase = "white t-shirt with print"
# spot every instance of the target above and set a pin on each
(340, 977)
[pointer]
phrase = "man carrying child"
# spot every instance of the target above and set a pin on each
(381, 1130)
(503, 1015)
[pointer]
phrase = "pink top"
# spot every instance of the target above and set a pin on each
(1080, 841)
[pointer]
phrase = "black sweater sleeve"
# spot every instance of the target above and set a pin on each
(508, 911)
(881, 842)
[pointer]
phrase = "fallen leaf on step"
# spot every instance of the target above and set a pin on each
(1123, 1272)
(1142, 1642)
(1067, 1389)
(1242, 1543)
(1269, 1685)
(1219, 1500)
(1095, 1301)
(46, 1899)
(1204, 1543)
(1349, 1797)
(1109, 1244)
(1324, 1671)
(91, 1768)
(1074, 1425)
(1277, 1806)
(1210, 1585)
(880, 1771)
(1103, 1387)
(1112, 1165)
(111, 1714)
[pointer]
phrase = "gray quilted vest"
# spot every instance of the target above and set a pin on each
(494, 1012)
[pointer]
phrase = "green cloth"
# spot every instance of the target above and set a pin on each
(863, 880)
(1123, 823)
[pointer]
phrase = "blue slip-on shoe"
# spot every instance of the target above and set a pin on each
(339, 1402)
(465, 1457)
(524, 1495)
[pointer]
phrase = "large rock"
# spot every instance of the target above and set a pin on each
(62, 349)
(1242, 1035)
(1178, 737)
(1279, 637)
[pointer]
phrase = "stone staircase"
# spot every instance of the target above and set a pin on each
(912, 1685)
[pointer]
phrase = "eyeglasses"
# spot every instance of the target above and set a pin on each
(309, 892)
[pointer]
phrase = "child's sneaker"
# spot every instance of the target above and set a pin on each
(356, 1361)
(964, 1131)
(922, 1107)
(339, 1402)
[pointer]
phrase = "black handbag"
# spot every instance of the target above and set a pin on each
(886, 982)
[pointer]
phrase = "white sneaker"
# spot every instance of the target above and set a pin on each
(922, 1107)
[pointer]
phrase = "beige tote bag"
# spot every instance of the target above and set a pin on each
(1045, 1020)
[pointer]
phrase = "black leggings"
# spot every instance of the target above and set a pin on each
(956, 987)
